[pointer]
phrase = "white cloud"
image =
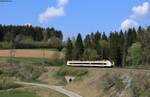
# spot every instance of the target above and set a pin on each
(128, 23)
(141, 12)
(51, 13)
(62, 2)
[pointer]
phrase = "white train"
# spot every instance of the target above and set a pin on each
(105, 63)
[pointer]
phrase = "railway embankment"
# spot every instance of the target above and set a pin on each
(113, 82)
(105, 82)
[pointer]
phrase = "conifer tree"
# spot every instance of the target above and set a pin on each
(69, 50)
(87, 41)
(104, 37)
(96, 44)
(79, 48)
(146, 46)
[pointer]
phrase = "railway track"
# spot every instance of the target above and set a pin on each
(136, 68)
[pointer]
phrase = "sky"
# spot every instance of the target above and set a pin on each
(77, 16)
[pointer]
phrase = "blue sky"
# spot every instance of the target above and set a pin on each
(76, 16)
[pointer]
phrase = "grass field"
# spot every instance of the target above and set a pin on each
(32, 53)
(31, 91)
(18, 94)
(25, 60)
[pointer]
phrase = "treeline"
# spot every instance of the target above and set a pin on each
(29, 37)
(131, 47)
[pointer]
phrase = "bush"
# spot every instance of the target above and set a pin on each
(24, 72)
(72, 71)
(25, 45)
(113, 80)
(12, 61)
(30, 72)
(31, 45)
(54, 62)
(10, 72)
(6, 83)
(140, 85)
(6, 45)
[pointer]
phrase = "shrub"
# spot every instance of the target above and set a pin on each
(25, 45)
(146, 93)
(32, 45)
(30, 72)
(6, 83)
(12, 60)
(137, 84)
(24, 72)
(72, 71)
(6, 45)
(54, 62)
(140, 85)
(10, 72)
(113, 80)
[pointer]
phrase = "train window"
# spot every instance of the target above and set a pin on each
(79, 63)
(98, 63)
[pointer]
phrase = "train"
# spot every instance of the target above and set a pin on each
(102, 63)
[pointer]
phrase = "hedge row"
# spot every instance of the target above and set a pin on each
(25, 45)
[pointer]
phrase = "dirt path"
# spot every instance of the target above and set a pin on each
(56, 88)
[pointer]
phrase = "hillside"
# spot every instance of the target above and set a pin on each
(30, 91)
(105, 82)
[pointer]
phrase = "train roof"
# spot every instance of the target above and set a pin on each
(90, 61)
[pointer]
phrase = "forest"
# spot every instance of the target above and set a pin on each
(125, 48)
(129, 47)
(21, 37)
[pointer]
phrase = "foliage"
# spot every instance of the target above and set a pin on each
(104, 48)
(69, 49)
(87, 41)
(18, 94)
(10, 72)
(79, 48)
(29, 72)
(90, 54)
(140, 85)
(55, 42)
(118, 47)
(32, 45)
(54, 62)
(23, 72)
(6, 45)
(113, 81)
(145, 40)
(6, 83)
(26, 36)
(134, 54)
(63, 71)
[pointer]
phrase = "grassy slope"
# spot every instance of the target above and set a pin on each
(31, 91)
(18, 94)
(50, 78)
(90, 84)
(24, 60)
